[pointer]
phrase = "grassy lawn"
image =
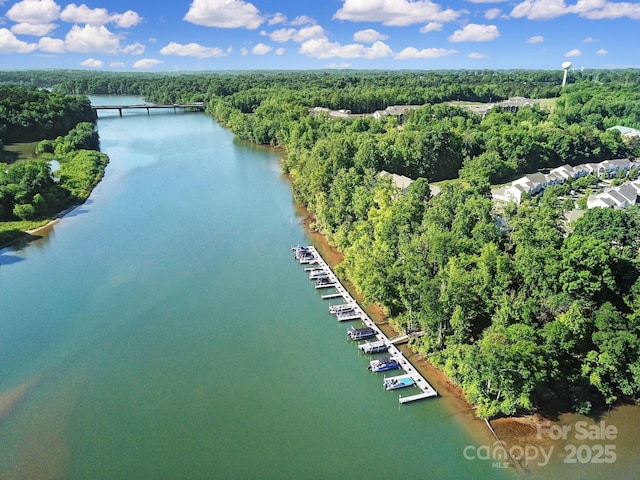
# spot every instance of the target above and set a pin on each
(20, 151)
(11, 231)
(548, 103)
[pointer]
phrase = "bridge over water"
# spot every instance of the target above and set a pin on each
(191, 107)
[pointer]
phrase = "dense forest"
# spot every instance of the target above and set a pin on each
(29, 189)
(29, 114)
(521, 309)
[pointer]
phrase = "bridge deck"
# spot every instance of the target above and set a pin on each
(198, 106)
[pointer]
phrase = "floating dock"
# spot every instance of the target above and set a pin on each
(426, 390)
(331, 295)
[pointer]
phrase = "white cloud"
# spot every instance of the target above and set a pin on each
(378, 50)
(83, 14)
(37, 12)
(35, 29)
(261, 49)
(277, 19)
(591, 9)
(134, 49)
(191, 50)
(302, 20)
(127, 19)
(117, 64)
(602, 51)
(51, 45)
(281, 51)
(98, 16)
(307, 33)
(92, 62)
(432, 27)
(10, 44)
(535, 39)
(589, 40)
(224, 14)
(573, 53)
(492, 13)
(599, 10)
(539, 9)
(338, 66)
(91, 39)
(323, 48)
(411, 53)
(475, 33)
(397, 13)
(244, 51)
(147, 63)
(477, 56)
(368, 36)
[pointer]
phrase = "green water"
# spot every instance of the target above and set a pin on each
(163, 331)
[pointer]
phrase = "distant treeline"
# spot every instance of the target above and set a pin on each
(521, 309)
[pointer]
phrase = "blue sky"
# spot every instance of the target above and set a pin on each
(175, 35)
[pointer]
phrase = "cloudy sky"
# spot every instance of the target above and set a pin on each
(170, 35)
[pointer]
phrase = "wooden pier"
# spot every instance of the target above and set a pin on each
(426, 390)
(193, 107)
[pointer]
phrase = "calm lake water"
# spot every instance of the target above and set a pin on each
(163, 331)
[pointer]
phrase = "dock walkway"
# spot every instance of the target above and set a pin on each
(426, 390)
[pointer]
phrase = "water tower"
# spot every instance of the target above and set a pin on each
(565, 66)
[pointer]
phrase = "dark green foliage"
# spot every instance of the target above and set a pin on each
(24, 190)
(28, 189)
(27, 114)
(81, 171)
(82, 137)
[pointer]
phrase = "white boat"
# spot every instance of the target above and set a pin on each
(319, 273)
(393, 383)
(374, 347)
(345, 307)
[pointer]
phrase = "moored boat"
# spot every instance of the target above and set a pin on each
(324, 282)
(383, 363)
(374, 347)
(316, 274)
(345, 307)
(304, 254)
(394, 383)
(361, 333)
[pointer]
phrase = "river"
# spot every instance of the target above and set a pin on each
(163, 330)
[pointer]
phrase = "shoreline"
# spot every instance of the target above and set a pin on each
(503, 436)
(34, 232)
(57, 217)
(456, 403)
